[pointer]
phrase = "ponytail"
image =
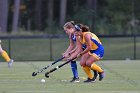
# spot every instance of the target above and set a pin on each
(72, 22)
(85, 28)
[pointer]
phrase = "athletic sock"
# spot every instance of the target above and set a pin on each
(74, 69)
(88, 71)
(5, 56)
(96, 68)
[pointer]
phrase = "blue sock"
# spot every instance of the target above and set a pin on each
(74, 69)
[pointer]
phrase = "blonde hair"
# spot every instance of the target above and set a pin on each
(69, 24)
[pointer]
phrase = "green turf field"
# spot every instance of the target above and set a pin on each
(121, 77)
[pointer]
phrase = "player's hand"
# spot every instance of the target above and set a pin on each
(63, 54)
(79, 55)
(69, 58)
(67, 55)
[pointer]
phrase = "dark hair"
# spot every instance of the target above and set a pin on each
(85, 28)
(82, 27)
(69, 25)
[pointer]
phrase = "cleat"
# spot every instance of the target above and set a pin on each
(101, 76)
(75, 80)
(10, 63)
(90, 80)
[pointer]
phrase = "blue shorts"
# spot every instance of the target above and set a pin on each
(99, 52)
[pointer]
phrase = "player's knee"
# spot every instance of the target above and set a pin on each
(1, 50)
(82, 64)
(88, 63)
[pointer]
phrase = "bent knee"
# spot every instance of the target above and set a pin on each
(82, 64)
(89, 63)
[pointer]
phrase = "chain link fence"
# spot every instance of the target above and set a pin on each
(40, 48)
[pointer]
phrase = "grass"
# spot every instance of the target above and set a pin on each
(121, 77)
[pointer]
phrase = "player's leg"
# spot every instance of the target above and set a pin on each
(86, 68)
(91, 78)
(75, 72)
(100, 71)
(74, 67)
(6, 56)
(95, 75)
(91, 62)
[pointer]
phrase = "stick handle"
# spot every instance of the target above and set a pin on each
(41, 70)
(57, 60)
(52, 70)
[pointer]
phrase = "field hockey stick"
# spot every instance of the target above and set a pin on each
(56, 68)
(44, 68)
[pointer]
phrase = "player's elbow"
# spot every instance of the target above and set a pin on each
(89, 48)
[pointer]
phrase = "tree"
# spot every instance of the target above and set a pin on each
(16, 15)
(3, 15)
(92, 5)
(63, 7)
(38, 16)
(50, 12)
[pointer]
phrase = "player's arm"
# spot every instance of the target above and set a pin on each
(77, 49)
(71, 46)
(78, 45)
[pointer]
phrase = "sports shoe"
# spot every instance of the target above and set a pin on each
(90, 80)
(76, 80)
(101, 76)
(10, 63)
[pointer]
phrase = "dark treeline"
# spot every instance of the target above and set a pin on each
(104, 17)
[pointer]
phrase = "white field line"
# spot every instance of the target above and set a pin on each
(30, 91)
(47, 91)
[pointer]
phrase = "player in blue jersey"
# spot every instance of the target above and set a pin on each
(69, 29)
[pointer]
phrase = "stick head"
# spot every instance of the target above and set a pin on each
(34, 74)
(47, 75)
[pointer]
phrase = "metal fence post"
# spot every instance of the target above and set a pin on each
(50, 49)
(134, 47)
(9, 48)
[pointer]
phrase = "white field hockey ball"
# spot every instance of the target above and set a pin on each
(43, 80)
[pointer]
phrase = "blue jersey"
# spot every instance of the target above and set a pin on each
(73, 37)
